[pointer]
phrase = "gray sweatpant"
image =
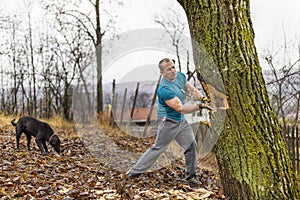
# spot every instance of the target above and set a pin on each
(167, 131)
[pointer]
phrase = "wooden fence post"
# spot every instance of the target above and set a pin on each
(151, 107)
(111, 117)
(123, 105)
(291, 137)
(134, 101)
(115, 106)
(293, 152)
(297, 150)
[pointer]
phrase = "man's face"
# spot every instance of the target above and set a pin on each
(169, 71)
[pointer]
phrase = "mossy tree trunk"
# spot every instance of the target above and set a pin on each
(251, 152)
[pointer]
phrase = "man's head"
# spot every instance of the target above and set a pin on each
(167, 69)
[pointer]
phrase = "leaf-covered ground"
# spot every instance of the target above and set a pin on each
(78, 173)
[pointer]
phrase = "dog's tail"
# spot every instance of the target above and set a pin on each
(13, 122)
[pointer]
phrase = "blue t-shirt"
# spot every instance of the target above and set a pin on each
(168, 90)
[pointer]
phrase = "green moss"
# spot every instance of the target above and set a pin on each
(251, 152)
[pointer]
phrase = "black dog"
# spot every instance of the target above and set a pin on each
(40, 130)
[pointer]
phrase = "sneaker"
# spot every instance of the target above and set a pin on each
(133, 175)
(194, 180)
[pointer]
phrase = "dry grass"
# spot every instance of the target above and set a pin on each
(55, 122)
(5, 120)
(58, 122)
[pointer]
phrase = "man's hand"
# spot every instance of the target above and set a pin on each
(205, 100)
(203, 104)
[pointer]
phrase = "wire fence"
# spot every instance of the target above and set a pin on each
(292, 140)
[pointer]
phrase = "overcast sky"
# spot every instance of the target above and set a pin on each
(269, 16)
(274, 22)
(272, 19)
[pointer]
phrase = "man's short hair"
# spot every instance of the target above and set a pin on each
(165, 60)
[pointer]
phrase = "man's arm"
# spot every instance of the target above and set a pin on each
(193, 90)
(198, 95)
(176, 104)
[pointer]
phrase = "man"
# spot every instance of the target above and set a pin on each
(171, 124)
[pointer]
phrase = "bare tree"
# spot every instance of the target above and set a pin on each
(174, 27)
(91, 26)
(283, 87)
(283, 80)
(32, 64)
(14, 55)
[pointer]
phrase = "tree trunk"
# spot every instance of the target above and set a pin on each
(98, 46)
(251, 152)
(15, 91)
(33, 67)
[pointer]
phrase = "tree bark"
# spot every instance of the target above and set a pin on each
(15, 91)
(98, 46)
(33, 66)
(251, 152)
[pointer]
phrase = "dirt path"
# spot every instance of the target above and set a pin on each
(80, 172)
